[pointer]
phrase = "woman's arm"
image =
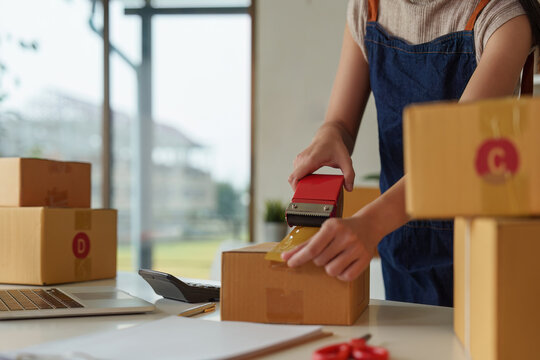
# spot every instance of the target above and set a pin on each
(334, 141)
(501, 62)
(345, 246)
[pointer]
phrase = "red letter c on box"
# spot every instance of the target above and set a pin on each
(496, 160)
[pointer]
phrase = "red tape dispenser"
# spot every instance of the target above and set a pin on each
(317, 198)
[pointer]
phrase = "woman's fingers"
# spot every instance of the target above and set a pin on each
(338, 247)
(288, 254)
(346, 166)
(354, 269)
(306, 164)
(327, 149)
(339, 263)
(348, 264)
(330, 252)
(314, 246)
(302, 169)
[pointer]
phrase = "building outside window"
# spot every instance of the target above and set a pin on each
(195, 196)
(51, 83)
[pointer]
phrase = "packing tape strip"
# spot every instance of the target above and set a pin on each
(83, 220)
(493, 126)
(82, 267)
(284, 306)
(511, 185)
(297, 236)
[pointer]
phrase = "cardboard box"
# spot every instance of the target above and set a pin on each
(497, 287)
(477, 158)
(254, 289)
(38, 182)
(358, 198)
(41, 246)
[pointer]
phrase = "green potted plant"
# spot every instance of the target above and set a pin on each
(275, 227)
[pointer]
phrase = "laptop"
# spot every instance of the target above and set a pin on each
(24, 303)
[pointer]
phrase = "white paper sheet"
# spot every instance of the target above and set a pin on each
(173, 338)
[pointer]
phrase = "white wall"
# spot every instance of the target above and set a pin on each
(298, 43)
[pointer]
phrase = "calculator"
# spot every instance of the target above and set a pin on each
(173, 288)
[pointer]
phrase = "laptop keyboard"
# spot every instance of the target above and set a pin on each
(35, 299)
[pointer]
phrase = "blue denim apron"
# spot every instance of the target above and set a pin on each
(417, 259)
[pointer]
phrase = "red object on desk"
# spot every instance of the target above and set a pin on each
(355, 349)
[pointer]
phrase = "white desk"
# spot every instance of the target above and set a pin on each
(408, 331)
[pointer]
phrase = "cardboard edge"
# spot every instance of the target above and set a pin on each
(31, 159)
(496, 226)
(19, 173)
(456, 323)
(409, 206)
(366, 292)
(353, 314)
(367, 287)
(115, 212)
(478, 348)
(263, 247)
(13, 167)
(350, 312)
(222, 305)
(23, 162)
(42, 244)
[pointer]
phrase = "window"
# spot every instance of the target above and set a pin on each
(180, 113)
(181, 132)
(51, 83)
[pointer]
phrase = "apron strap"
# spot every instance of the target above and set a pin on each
(472, 20)
(373, 10)
(527, 76)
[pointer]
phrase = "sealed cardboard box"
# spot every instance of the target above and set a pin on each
(55, 245)
(497, 287)
(257, 290)
(39, 182)
(477, 158)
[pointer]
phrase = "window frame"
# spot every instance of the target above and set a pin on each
(107, 139)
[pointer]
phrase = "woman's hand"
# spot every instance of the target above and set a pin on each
(328, 148)
(343, 246)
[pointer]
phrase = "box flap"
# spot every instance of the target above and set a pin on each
(257, 248)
